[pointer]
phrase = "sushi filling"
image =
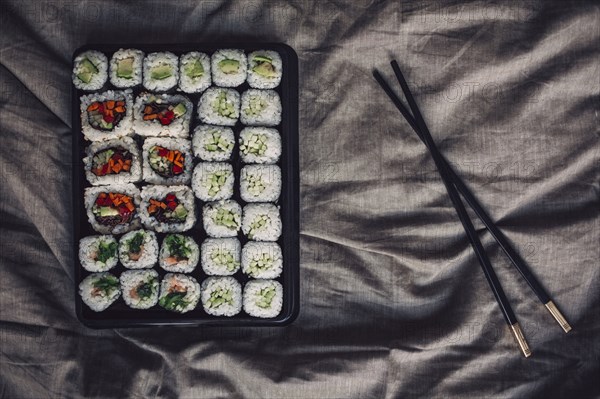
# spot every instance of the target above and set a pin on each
(163, 112)
(125, 68)
(168, 210)
(178, 248)
(225, 217)
(260, 263)
(229, 66)
(216, 143)
(224, 257)
(105, 115)
(175, 298)
(111, 209)
(136, 246)
(224, 106)
(165, 162)
(256, 105)
(105, 286)
(259, 223)
(106, 251)
(215, 181)
(194, 69)
(254, 144)
(144, 290)
(264, 297)
(255, 184)
(86, 70)
(220, 296)
(111, 161)
(264, 66)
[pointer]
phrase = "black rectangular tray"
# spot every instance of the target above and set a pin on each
(119, 314)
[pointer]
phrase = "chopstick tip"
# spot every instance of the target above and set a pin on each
(518, 333)
(558, 316)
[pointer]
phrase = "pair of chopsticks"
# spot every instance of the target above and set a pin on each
(454, 186)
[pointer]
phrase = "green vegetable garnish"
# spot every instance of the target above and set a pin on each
(106, 284)
(223, 106)
(260, 263)
(258, 223)
(145, 290)
(223, 257)
(135, 244)
(106, 251)
(219, 297)
(215, 181)
(178, 246)
(254, 144)
(255, 183)
(265, 297)
(217, 143)
(173, 301)
(225, 217)
(256, 105)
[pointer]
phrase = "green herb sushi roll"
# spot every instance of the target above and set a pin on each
(179, 293)
(179, 253)
(138, 249)
(98, 253)
(140, 288)
(99, 290)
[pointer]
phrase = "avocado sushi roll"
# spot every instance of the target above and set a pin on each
(179, 253)
(114, 161)
(98, 253)
(261, 222)
(106, 115)
(90, 70)
(138, 249)
(260, 145)
(168, 209)
(179, 293)
(222, 218)
(162, 115)
(140, 288)
(260, 183)
(99, 290)
(228, 67)
(213, 181)
(260, 108)
(221, 296)
(161, 71)
(264, 69)
(262, 259)
(219, 107)
(194, 72)
(167, 161)
(213, 143)
(263, 298)
(220, 256)
(126, 68)
(113, 209)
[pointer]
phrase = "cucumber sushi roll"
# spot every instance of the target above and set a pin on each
(260, 108)
(221, 296)
(162, 115)
(219, 106)
(126, 68)
(213, 143)
(264, 69)
(161, 71)
(194, 72)
(261, 222)
(179, 293)
(179, 253)
(113, 209)
(140, 288)
(260, 145)
(98, 253)
(99, 290)
(167, 161)
(138, 249)
(168, 209)
(222, 218)
(106, 115)
(263, 298)
(220, 256)
(262, 259)
(113, 162)
(213, 181)
(90, 70)
(260, 183)
(228, 67)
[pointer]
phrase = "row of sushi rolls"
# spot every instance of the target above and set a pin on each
(160, 186)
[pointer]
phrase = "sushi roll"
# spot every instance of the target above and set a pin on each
(99, 290)
(179, 293)
(260, 145)
(194, 72)
(228, 67)
(260, 183)
(263, 298)
(213, 143)
(98, 253)
(261, 222)
(140, 288)
(161, 71)
(222, 218)
(213, 181)
(162, 115)
(90, 70)
(138, 249)
(264, 69)
(221, 296)
(262, 259)
(113, 162)
(179, 253)
(220, 256)
(126, 68)
(219, 107)
(167, 161)
(260, 108)
(106, 115)
(168, 209)
(113, 209)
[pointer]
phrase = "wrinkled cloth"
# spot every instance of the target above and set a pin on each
(393, 301)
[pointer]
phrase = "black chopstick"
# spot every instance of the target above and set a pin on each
(484, 261)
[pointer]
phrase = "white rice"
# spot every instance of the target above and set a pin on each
(222, 219)
(132, 176)
(160, 60)
(99, 299)
(140, 288)
(213, 143)
(98, 80)
(260, 145)
(219, 107)
(262, 259)
(174, 284)
(124, 127)
(261, 222)
(260, 183)
(263, 298)
(136, 76)
(89, 253)
(182, 145)
(199, 83)
(90, 195)
(232, 79)
(184, 196)
(148, 254)
(260, 108)
(179, 127)
(221, 296)
(213, 181)
(171, 263)
(258, 81)
(221, 256)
